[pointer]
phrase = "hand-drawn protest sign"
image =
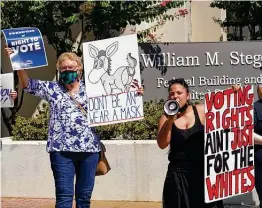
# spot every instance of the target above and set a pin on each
(229, 143)
(6, 86)
(28, 46)
(112, 77)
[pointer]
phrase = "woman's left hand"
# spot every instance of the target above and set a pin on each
(140, 91)
(13, 95)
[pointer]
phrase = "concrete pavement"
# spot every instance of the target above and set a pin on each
(50, 203)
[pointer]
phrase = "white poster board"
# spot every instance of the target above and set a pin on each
(229, 143)
(112, 76)
(7, 86)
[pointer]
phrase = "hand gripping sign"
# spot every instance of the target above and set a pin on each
(28, 46)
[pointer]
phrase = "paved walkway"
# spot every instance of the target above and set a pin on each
(49, 203)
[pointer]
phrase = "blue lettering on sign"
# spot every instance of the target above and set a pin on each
(5, 94)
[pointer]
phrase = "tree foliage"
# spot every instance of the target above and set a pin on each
(104, 19)
(52, 18)
(241, 14)
(145, 129)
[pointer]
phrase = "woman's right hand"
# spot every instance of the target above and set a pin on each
(8, 51)
(236, 87)
(173, 117)
(13, 95)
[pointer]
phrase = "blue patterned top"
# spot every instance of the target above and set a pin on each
(68, 126)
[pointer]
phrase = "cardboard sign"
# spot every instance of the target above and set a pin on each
(28, 46)
(229, 143)
(112, 76)
(7, 86)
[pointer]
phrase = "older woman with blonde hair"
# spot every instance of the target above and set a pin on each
(72, 144)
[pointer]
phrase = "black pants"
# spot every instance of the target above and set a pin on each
(258, 174)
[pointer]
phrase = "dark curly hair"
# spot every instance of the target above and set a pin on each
(180, 81)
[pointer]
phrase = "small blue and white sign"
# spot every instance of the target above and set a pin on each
(28, 46)
(6, 87)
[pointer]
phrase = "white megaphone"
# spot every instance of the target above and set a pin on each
(171, 107)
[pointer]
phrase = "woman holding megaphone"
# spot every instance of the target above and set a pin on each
(182, 128)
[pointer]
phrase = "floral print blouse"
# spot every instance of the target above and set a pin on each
(68, 125)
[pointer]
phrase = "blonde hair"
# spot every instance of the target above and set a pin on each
(69, 56)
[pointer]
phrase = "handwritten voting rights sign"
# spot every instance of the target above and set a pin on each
(7, 86)
(28, 46)
(112, 76)
(229, 143)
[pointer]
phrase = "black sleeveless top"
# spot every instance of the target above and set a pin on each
(187, 146)
(185, 189)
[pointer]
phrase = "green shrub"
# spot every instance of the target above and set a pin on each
(136, 130)
(146, 129)
(37, 128)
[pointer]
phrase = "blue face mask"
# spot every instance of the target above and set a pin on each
(68, 77)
